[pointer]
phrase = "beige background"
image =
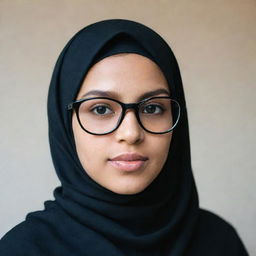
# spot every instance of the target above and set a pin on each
(215, 44)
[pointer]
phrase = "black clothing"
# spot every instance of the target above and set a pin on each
(86, 218)
(55, 233)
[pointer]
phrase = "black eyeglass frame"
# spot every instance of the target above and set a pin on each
(125, 106)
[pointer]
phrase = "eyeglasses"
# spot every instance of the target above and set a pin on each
(103, 115)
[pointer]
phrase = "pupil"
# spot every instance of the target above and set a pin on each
(151, 109)
(101, 110)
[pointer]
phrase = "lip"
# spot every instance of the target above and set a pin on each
(128, 161)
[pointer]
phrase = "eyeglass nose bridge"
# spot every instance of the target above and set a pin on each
(127, 106)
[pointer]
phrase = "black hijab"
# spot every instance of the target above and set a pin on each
(86, 218)
(162, 217)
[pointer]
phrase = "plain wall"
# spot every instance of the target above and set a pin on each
(215, 44)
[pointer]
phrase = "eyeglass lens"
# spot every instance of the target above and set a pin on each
(101, 116)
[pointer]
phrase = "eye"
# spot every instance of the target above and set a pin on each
(152, 109)
(101, 110)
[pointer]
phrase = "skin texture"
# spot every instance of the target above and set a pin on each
(128, 76)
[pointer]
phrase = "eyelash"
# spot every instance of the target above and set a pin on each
(94, 108)
(155, 105)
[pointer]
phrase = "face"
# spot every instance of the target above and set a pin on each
(127, 160)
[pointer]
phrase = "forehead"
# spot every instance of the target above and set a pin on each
(127, 75)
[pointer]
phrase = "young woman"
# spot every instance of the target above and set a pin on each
(119, 140)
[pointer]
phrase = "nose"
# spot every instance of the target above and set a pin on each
(130, 130)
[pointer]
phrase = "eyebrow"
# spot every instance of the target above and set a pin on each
(112, 94)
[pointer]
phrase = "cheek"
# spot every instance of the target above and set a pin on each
(162, 144)
(84, 143)
(91, 149)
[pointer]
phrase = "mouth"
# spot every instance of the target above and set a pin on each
(128, 162)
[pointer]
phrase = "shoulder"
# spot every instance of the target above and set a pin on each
(17, 241)
(216, 236)
(214, 222)
(30, 236)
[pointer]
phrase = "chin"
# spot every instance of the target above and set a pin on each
(128, 190)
